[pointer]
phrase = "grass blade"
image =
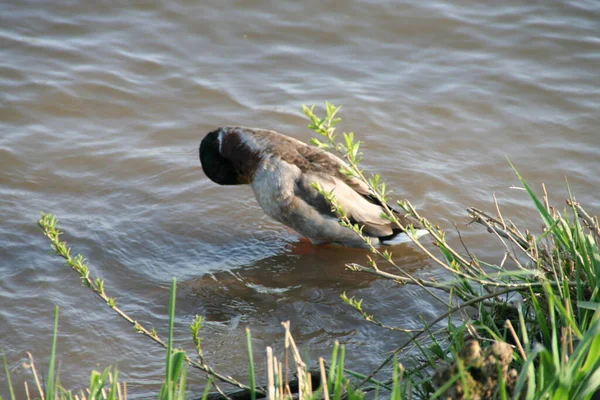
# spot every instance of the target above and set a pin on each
(169, 385)
(546, 217)
(207, 389)
(339, 376)
(50, 385)
(333, 366)
(251, 365)
(10, 386)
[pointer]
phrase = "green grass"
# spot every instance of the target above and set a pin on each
(173, 386)
(52, 383)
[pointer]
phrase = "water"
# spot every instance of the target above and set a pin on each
(103, 108)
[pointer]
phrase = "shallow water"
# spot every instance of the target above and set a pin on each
(103, 107)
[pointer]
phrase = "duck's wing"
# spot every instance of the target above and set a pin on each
(324, 168)
(312, 160)
(355, 198)
(357, 207)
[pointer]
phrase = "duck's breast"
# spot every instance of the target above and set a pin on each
(273, 186)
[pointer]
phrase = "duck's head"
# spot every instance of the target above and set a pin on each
(226, 157)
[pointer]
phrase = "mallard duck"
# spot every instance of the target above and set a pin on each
(280, 170)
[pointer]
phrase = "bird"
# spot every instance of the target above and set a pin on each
(282, 171)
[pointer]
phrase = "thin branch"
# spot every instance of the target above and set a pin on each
(48, 225)
(589, 221)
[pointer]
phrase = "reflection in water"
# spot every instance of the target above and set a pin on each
(303, 273)
(301, 285)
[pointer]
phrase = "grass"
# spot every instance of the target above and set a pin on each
(524, 327)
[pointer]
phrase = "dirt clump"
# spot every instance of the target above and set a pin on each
(481, 372)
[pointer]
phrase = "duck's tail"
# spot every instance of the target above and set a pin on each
(400, 236)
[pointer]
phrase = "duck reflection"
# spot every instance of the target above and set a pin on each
(298, 279)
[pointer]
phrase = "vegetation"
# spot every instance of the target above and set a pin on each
(525, 327)
(552, 326)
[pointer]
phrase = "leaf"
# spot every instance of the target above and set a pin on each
(588, 305)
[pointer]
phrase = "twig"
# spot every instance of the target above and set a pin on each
(483, 218)
(323, 378)
(345, 221)
(48, 225)
(592, 225)
(270, 375)
(357, 305)
(27, 390)
(498, 211)
(500, 234)
(516, 339)
(491, 223)
(397, 278)
(35, 375)
(473, 262)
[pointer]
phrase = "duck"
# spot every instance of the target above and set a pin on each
(282, 172)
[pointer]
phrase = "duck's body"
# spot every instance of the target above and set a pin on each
(281, 171)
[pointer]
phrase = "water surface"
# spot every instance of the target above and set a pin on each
(102, 109)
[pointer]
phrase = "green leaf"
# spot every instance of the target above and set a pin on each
(177, 365)
(591, 384)
(588, 305)
(195, 327)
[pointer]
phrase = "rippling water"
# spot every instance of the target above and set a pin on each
(103, 107)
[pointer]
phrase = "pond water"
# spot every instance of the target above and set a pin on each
(103, 108)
